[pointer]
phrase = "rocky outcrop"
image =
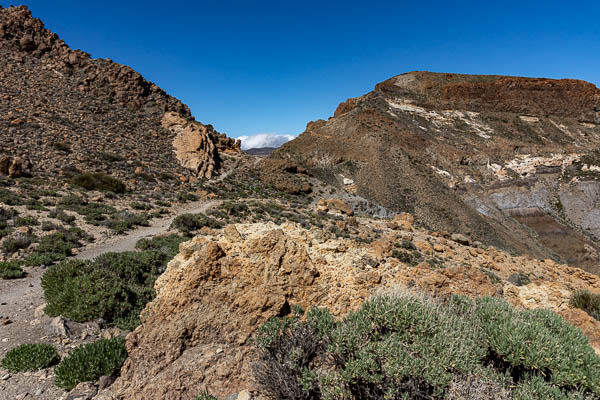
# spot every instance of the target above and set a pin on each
(464, 153)
(223, 285)
(14, 167)
(284, 175)
(197, 146)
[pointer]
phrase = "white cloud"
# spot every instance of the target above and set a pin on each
(264, 140)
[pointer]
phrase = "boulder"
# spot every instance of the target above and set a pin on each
(196, 145)
(460, 238)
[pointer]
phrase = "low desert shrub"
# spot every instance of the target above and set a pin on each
(114, 286)
(185, 197)
(17, 242)
(56, 246)
(188, 223)
(89, 362)
(137, 205)
(403, 346)
(11, 270)
(30, 357)
(62, 216)
(98, 181)
(588, 302)
(60, 146)
(49, 226)
(165, 244)
(10, 198)
(27, 220)
(124, 221)
(205, 396)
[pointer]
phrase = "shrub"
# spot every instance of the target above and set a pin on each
(10, 198)
(89, 362)
(144, 176)
(110, 157)
(125, 221)
(405, 346)
(136, 205)
(30, 357)
(27, 221)
(49, 226)
(60, 146)
(165, 244)
(184, 197)
(114, 286)
(17, 242)
(588, 302)
(62, 216)
(11, 270)
(188, 223)
(56, 246)
(94, 213)
(98, 181)
(205, 396)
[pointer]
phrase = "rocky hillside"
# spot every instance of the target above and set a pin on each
(510, 161)
(62, 110)
(196, 335)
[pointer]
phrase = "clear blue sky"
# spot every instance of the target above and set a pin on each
(259, 66)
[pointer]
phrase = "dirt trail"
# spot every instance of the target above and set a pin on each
(127, 243)
(20, 297)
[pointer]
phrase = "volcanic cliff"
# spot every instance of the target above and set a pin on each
(510, 161)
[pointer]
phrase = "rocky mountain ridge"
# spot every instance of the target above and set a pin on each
(62, 109)
(508, 160)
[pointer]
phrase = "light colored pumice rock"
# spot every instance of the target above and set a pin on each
(223, 285)
(196, 145)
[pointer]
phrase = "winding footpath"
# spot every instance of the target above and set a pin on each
(20, 301)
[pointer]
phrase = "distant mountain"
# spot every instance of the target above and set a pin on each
(261, 152)
(510, 161)
(62, 110)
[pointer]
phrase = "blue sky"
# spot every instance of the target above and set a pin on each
(253, 67)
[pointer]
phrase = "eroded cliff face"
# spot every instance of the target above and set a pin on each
(224, 284)
(472, 154)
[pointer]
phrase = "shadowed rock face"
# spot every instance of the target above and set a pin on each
(104, 115)
(455, 149)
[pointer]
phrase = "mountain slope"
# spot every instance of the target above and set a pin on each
(62, 109)
(498, 158)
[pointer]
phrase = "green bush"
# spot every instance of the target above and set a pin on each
(27, 220)
(17, 242)
(93, 213)
(165, 244)
(56, 246)
(60, 146)
(10, 198)
(62, 216)
(205, 396)
(98, 181)
(188, 223)
(89, 362)
(11, 270)
(124, 221)
(114, 286)
(403, 346)
(30, 357)
(588, 302)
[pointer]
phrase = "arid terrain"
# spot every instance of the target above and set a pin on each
(125, 221)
